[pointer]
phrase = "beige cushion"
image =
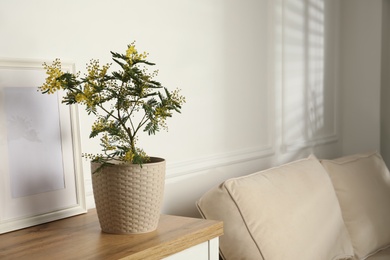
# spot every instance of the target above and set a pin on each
(362, 184)
(288, 212)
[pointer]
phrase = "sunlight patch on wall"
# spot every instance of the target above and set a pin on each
(308, 119)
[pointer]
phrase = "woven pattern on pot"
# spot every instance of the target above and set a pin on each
(128, 198)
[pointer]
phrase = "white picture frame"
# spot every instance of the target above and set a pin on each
(41, 177)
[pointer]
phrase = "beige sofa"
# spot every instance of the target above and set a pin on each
(308, 209)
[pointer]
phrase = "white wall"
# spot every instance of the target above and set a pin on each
(361, 27)
(226, 56)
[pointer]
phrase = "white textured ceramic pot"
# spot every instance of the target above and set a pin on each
(129, 197)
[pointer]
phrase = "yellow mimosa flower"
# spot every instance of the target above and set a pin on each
(130, 51)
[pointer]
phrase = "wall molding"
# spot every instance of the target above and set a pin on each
(182, 168)
(302, 144)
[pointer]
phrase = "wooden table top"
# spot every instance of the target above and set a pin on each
(80, 237)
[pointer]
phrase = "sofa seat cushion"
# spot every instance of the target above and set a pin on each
(287, 212)
(362, 184)
(381, 255)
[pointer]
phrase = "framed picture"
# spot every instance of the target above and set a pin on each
(41, 176)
